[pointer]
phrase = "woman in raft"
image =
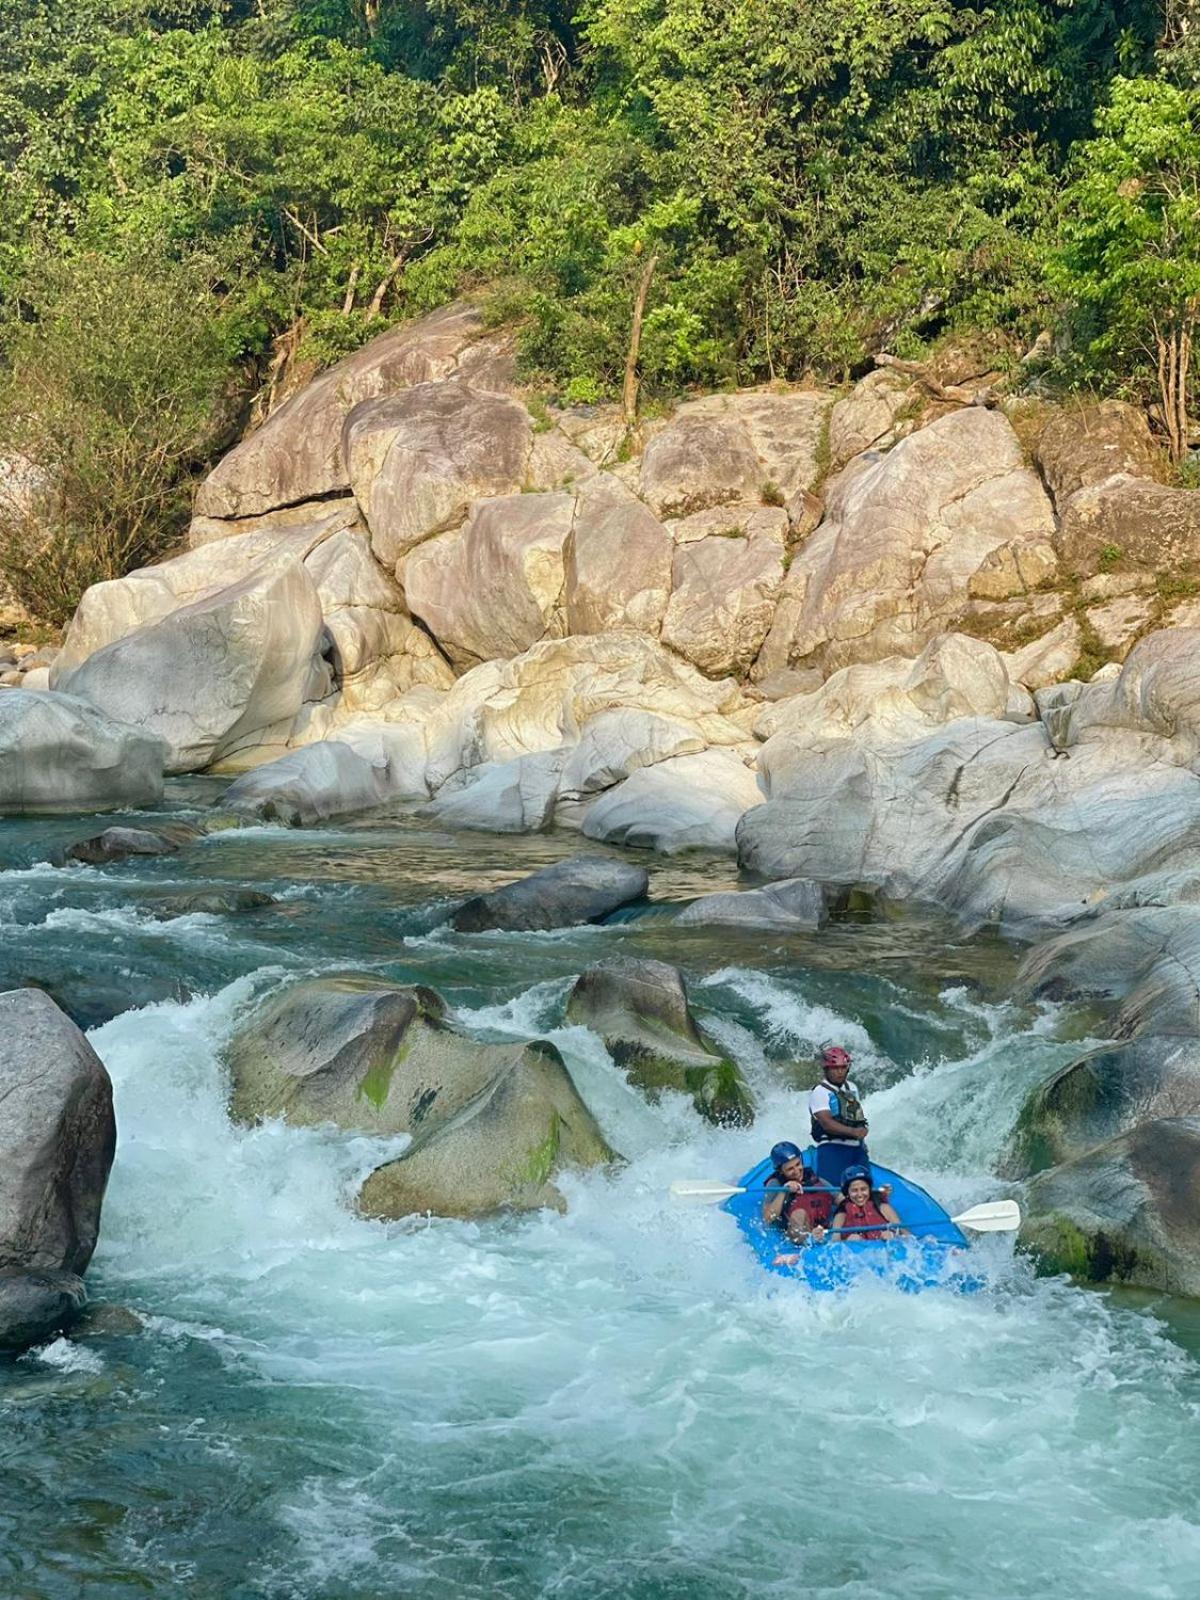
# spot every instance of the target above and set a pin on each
(865, 1212)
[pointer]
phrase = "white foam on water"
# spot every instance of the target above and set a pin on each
(617, 1401)
(67, 1357)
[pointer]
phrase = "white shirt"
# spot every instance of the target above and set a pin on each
(822, 1099)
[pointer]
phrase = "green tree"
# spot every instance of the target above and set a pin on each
(1130, 252)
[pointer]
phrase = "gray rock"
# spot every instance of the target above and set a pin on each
(364, 1054)
(795, 905)
(583, 889)
(690, 802)
(618, 562)
(60, 754)
(34, 1306)
(57, 1136)
(640, 1009)
(310, 785)
(1126, 1212)
(215, 676)
(1081, 446)
(210, 903)
(503, 796)
(117, 844)
(1106, 1093)
(501, 1152)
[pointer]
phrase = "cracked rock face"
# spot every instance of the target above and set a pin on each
(903, 536)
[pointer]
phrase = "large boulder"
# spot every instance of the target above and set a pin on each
(1104, 1094)
(311, 785)
(362, 1053)
(724, 589)
(418, 459)
(1151, 709)
(297, 453)
(515, 796)
(903, 536)
(118, 844)
(1126, 1212)
(1152, 525)
(501, 1152)
(61, 754)
(691, 802)
(57, 1137)
(867, 417)
(730, 447)
(215, 677)
(583, 889)
(640, 1009)
(492, 589)
(618, 562)
(1081, 446)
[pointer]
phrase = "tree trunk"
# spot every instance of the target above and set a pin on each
(629, 394)
(1174, 351)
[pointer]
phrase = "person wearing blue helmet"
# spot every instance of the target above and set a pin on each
(804, 1203)
(865, 1212)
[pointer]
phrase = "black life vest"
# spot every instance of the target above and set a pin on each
(844, 1107)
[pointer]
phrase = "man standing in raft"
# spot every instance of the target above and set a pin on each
(839, 1128)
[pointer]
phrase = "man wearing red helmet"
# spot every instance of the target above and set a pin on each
(839, 1128)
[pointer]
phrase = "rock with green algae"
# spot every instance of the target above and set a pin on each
(640, 1009)
(1103, 1094)
(1126, 1212)
(500, 1152)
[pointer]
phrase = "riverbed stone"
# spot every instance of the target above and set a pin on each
(367, 1055)
(492, 588)
(515, 796)
(34, 1306)
(793, 905)
(62, 754)
(691, 802)
(1126, 1212)
(1104, 1094)
(640, 1009)
(311, 785)
(213, 677)
(418, 459)
(581, 889)
(501, 1152)
(297, 453)
(57, 1136)
(118, 844)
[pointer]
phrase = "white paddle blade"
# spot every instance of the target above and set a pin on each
(703, 1191)
(997, 1216)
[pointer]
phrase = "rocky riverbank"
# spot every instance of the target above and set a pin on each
(830, 634)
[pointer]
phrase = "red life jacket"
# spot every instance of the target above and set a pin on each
(868, 1218)
(818, 1208)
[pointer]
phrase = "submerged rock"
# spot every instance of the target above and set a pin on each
(640, 1009)
(794, 905)
(34, 1306)
(500, 1152)
(57, 1136)
(117, 844)
(210, 902)
(60, 754)
(583, 889)
(1126, 1212)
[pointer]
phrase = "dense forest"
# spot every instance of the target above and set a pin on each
(203, 200)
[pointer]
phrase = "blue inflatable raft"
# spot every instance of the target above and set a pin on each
(932, 1255)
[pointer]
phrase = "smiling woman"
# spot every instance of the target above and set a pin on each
(323, 1406)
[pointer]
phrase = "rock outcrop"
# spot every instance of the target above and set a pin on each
(61, 754)
(793, 905)
(57, 1137)
(640, 1009)
(1126, 1212)
(502, 1152)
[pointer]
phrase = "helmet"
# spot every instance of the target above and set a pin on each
(782, 1153)
(834, 1056)
(851, 1173)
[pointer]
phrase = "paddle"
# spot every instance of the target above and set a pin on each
(707, 1192)
(993, 1216)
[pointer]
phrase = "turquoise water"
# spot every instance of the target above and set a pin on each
(610, 1403)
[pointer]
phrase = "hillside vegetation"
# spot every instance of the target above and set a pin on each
(203, 201)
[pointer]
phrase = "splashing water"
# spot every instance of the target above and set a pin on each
(614, 1402)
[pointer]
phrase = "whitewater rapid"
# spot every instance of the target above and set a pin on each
(610, 1403)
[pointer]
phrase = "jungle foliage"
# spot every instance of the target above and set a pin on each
(814, 180)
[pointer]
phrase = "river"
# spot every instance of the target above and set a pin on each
(613, 1403)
